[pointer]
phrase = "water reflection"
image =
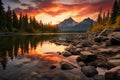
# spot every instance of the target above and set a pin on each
(29, 46)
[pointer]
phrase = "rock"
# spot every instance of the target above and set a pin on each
(86, 43)
(108, 51)
(98, 77)
(78, 45)
(94, 47)
(81, 64)
(33, 73)
(70, 49)
(100, 39)
(59, 53)
(79, 59)
(89, 71)
(88, 56)
(115, 38)
(93, 63)
(104, 63)
(66, 54)
(115, 60)
(65, 65)
(76, 51)
(52, 67)
(118, 75)
(113, 74)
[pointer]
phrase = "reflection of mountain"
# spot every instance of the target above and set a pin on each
(11, 44)
(82, 26)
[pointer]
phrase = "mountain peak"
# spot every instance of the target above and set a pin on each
(88, 20)
(68, 22)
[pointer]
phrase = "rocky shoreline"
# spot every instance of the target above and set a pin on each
(94, 50)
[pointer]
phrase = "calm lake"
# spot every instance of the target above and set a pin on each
(29, 57)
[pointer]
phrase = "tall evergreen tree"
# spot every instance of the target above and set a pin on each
(21, 22)
(108, 15)
(119, 8)
(99, 19)
(25, 21)
(15, 20)
(9, 19)
(114, 13)
(2, 16)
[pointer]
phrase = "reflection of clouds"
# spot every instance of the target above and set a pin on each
(39, 52)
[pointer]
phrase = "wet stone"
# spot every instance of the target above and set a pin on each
(89, 71)
(66, 54)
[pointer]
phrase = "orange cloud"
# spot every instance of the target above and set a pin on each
(54, 11)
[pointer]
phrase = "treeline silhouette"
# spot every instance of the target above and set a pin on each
(9, 22)
(107, 20)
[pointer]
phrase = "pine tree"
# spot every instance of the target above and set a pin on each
(119, 8)
(2, 17)
(99, 19)
(9, 19)
(104, 18)
(115, 10)
(15, 21)
(25, 22)
(108, 15)
(20, 23)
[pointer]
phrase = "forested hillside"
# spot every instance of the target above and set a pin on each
(109, 20)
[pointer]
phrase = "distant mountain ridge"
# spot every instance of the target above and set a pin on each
(71, 25)
(67, 23)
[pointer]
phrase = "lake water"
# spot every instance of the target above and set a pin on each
(29, 57)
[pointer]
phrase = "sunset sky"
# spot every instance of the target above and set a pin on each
(56, 11)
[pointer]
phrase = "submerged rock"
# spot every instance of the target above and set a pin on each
(89, 71)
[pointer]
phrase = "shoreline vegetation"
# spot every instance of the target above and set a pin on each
(107, 20)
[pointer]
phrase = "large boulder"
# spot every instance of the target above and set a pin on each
(88, 56)
(66, 65)
(115, 38)
(89, 71)
(113, 74)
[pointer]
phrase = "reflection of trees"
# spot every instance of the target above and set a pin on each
(9, 45)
